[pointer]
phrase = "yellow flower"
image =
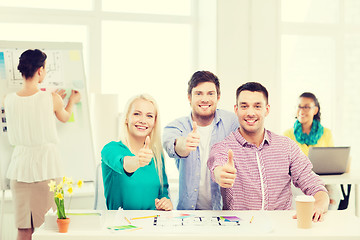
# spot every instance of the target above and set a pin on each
(80, 183)
(59, 186)
(59, 196)
(69, 182)
(59, 189)
(70, 190)
(52, 185)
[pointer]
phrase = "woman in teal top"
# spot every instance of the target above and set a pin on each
(133, 169)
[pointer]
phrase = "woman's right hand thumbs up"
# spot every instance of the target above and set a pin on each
(145, 154)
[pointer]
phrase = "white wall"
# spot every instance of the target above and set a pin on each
(247, 50)
(232, 48)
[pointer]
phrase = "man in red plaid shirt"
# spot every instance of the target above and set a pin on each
(255, 166)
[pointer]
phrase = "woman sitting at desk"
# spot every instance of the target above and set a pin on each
(308, 132)
(133, 168)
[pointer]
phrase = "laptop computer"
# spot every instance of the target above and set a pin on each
(329, 160)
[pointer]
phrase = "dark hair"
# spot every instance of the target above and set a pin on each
(30, 61)
(252, 87)
(316, 101)
(203, 76)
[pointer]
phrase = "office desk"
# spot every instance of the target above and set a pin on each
(346, 178)
(267, 225)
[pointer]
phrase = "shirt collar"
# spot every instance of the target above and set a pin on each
(216, 120)
(243, 142)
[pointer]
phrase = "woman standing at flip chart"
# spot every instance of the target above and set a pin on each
(308, 132)
(31, 116)
(133, 169)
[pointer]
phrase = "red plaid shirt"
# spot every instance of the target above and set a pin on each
(264, 173)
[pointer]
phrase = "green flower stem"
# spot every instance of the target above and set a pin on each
(60, 208)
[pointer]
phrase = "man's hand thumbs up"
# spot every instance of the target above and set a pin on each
(225, 175)
(231, 158)
(194, 127)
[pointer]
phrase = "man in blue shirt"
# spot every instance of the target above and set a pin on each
(189, 140)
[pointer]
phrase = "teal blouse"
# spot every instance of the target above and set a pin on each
(131, 191)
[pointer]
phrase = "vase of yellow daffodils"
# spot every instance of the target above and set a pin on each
(58, 189)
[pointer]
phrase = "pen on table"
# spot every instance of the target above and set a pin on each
(134, 229)
(144, 217)
(127, 220)
(251, 219)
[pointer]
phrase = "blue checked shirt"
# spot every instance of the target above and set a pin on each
(190, 166)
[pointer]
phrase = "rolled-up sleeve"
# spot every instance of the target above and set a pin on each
(173, 131)
(302, 174)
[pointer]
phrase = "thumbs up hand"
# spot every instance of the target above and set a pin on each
(230, 161)
(145, 154)
(186, 144)
(192, 139)
(225, 175)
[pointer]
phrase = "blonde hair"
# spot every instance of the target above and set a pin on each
(155, 135)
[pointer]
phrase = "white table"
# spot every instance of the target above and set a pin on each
(346, 178)
(269, 225)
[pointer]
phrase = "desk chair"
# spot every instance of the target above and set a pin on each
(100, 202)
(344, 203)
